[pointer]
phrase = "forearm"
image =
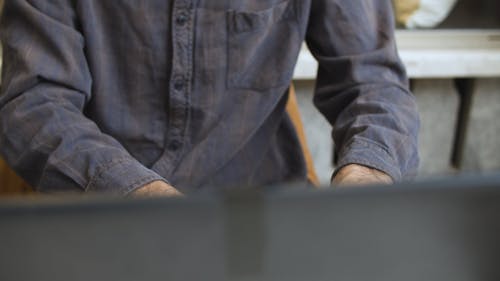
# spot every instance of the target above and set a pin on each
(55, 148)
(45, 88)
(362, 86)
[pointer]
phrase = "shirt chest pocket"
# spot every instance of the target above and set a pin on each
(262, 47)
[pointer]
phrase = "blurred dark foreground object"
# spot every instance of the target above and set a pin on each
(435, 231)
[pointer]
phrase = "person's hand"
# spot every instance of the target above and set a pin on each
(156, 188)
(354, 174)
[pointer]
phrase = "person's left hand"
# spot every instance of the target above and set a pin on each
(354, 174)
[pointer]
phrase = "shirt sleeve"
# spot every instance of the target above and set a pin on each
(362, 88)
(45, 87)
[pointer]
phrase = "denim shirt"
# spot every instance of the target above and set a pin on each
(110, 95)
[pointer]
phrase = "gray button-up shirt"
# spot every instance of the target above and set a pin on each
(109, 95)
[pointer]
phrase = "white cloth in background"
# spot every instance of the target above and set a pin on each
(430, 13)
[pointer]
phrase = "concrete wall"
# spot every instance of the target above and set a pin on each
(482, 146)
(438, 104)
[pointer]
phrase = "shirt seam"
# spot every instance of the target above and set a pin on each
(367, 144)
(103, 168)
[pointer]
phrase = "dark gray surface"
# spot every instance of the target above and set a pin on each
(441, 231)
(473, 14)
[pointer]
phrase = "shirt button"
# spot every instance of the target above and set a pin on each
(174, 145)
(181, 19)
(179, 84)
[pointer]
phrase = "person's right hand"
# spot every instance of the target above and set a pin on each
(156, 188)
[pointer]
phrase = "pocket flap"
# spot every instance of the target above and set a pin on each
(243, 21)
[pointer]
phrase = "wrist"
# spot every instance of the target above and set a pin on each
(156, 188)
(355, 174)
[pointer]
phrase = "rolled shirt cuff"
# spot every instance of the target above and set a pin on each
(122, 177)
(371, 155)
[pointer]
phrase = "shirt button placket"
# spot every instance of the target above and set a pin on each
(181, 18)
(181, 75)
(179, 83)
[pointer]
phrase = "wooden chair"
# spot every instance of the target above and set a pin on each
(11, 183)
(292, 109)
